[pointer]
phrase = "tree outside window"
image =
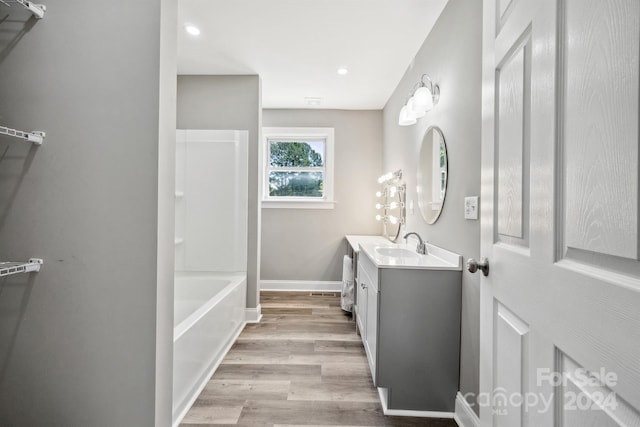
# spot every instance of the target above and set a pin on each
(298, 168)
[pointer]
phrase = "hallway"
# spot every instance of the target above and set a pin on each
(302, 365)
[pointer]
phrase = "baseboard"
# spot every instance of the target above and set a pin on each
(382, 392)
(464, 416)
(253, 315)
(300, 285)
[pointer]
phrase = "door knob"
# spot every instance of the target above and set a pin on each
(473, 265)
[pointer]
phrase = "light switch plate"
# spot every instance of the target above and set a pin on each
(471, 207)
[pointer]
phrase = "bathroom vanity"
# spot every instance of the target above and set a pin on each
(408, 314)
(353, 250)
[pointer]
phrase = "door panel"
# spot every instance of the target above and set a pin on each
(509, 363)
(512, 143)
(600, 42)
(560, 213)
(579, 397)
(502, 12)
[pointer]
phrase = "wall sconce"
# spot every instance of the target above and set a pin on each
(424, 96)
(391, 176)
(391, 204)
(399, 207)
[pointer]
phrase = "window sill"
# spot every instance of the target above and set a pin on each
(298, 204)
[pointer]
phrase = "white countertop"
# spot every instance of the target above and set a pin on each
(356, 240)
(435, 259)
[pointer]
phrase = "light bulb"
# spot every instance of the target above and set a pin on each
(414, 106)
(385, 177)
(392, 190)
(393, 219)
(422, 100)
(192, 29)
(378, 218)
(393, 205)
(378, 193)
(406, 118)
(379, 206)
(410, 104)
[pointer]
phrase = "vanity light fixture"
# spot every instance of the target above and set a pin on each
(424, 96)
(397, 175)
(406, 116)
(392, 205)
(393, 212)
(384, 178)
(391, 219)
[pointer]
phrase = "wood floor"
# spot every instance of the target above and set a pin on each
(302, 365)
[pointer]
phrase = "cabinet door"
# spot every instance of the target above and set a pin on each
(371, 334)
(361, 301)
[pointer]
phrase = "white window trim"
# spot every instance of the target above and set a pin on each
(327, 201)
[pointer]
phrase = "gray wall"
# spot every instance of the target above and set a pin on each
(308, 244)
(229, 102)
(78, 340)
(451, 55)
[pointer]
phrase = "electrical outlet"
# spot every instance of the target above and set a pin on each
(471, 207)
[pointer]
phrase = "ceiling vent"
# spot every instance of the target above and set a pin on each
(313, 102)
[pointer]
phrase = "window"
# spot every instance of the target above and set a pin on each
(298, 168)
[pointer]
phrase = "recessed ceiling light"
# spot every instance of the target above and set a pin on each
(192, 29)
(343, 71)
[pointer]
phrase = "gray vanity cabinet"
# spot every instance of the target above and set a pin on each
(360, 302)
(411, 334)
(367, 314)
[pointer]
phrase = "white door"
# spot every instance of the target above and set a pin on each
(560, 308)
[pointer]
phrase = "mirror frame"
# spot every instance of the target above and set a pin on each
(420, 173)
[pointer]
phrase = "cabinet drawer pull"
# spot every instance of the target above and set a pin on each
(363, 285)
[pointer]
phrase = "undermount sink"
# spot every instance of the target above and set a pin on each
(396, 252)
(405, 256)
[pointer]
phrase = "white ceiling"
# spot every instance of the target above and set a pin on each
(296, 46)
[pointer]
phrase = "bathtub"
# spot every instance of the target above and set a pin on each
(209, 314)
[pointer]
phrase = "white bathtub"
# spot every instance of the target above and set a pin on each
(209, 314)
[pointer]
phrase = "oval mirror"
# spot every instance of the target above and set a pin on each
(432, 174)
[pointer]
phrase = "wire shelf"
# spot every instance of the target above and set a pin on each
(36, 137)
(36, 9)
(9, 268)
